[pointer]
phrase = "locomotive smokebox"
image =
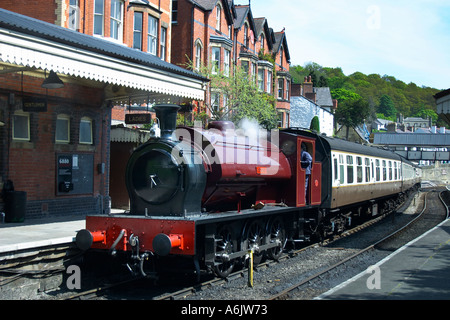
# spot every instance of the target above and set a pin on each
(167, 115)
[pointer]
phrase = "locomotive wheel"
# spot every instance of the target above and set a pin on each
(224, 247)
(253, 237)
(276, 232)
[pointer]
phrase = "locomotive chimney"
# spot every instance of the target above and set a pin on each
(167, 115)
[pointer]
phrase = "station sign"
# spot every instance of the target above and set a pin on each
(138, 118)
(32, 104)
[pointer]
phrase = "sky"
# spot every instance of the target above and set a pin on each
(409, 40)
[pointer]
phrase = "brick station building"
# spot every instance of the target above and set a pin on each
(54, 141)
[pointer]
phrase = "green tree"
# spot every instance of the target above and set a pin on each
(243, 98)
(387, 106)
(352, 112)
(343, 95)
(315, 124)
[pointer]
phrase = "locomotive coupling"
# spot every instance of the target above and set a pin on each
(163, 243)
(85, 238)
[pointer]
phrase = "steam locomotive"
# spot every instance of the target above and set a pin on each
(211, 196)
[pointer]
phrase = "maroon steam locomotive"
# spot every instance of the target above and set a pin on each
(210, 196)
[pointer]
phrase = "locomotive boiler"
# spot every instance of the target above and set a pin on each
(211, 196)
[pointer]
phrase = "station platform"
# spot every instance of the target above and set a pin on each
(35, 233)
(38, 233)
(420, 270)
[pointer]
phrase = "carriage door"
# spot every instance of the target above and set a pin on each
(313, 195)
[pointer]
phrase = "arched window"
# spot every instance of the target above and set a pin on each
(198, 54)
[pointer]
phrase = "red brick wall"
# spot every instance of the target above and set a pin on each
(182, 43)
(31, 165)
(42, 9)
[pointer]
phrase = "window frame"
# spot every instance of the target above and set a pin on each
(218, 17)
(269, 82)
(138, 32)
(91, 125)
(28, 134)
(116, 20)
(198, 54)
(152, 38)
(215, 62)
(350, 169)
(226, 62)
(341, 169)
(99, 16)
(261, 77)
(367, 169)
(66, 118)
(74, 15)
(359, 170)
(280, 94)
(163, 44)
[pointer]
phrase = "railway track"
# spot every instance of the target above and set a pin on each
(192, 292)
(430, 201)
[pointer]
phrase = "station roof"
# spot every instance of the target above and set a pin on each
(412, 139)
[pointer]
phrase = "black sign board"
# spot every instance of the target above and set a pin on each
(65, 173)
(75, 173)
(138, 118)
(31, 104)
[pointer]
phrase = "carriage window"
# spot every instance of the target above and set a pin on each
(367, 167)
(377, 164)
(395, 171)
(384, 170)
(359, 170)
(335, 171)
(341, 169)
(390, 170)
(349, 169)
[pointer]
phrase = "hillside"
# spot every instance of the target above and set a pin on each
(386, 95)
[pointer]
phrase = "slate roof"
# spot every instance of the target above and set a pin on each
(243, 12)
(280, 39)
(323, 96)
(209, 5)
(30, 26)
